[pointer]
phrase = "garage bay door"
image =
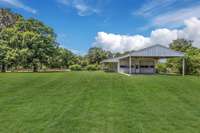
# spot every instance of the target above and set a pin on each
(147, 67)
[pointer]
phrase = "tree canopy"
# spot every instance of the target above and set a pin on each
(28, 43)
(96, 55)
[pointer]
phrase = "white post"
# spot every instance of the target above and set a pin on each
(118, 66)
(155, 63)
(183, 67)
(130, 65)
(135, 65)
(139, 66)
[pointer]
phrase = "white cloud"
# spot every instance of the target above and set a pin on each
(191, 31)
(153, 6)
(82, 7)
(121, 43)
(163, 36)
(177, 17)
(168, 13)
(19, 4)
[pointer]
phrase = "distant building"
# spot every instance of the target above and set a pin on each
(142, 61)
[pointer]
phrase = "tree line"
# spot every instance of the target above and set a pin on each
(30, 44)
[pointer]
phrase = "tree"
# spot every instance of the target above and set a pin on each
(96, 55)
(192, 56)
(40, 49)
(39, 39)
(7, 18)
(29, 43)
(193, 60)
(181, 45)
(7, 41)
(62, 58)
(3, 56)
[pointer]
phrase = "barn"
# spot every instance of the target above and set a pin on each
(142, 61)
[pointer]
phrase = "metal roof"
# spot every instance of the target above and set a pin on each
(152, 51)
(156, 51)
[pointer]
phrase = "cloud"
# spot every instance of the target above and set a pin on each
(163, 36)
(176, 18)
(122, 43)
(191, 31)
(153, 6)
(167, 13)
(83, 7)
(19, 4)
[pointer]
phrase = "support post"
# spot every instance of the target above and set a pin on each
(130, 65)
(183, 67)
(135, 65)
(155, 63)
(118, 66)
(139, 67)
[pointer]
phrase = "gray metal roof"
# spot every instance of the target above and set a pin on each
(156, 51)
(152, 51)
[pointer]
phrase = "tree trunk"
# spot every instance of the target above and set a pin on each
(35, 68)
(3, 68)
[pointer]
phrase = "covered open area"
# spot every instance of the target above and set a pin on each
(142, 61)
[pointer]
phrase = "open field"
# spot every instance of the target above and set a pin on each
(97, 102)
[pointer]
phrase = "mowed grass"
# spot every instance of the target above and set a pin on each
(97, 102)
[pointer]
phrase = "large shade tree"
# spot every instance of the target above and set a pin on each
(28, 43)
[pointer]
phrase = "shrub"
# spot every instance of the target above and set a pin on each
(93, 67)
(75, 67)
(161, 68)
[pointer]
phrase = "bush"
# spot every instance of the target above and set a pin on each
(161, 68)
(75, 67)
(93, 67)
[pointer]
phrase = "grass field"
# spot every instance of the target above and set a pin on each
(97, 102)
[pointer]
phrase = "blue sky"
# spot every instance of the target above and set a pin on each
(114, 25)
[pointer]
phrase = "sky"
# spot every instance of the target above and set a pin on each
(115, 25)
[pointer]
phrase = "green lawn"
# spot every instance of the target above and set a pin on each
(97, 102)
